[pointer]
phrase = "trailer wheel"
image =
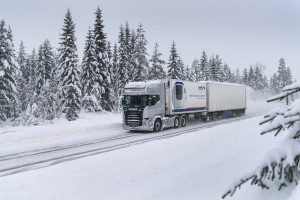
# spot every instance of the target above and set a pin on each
(207, 118)
(183, 121)
(157, 125)
(176, 122)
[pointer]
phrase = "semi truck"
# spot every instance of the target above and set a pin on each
(160, 104)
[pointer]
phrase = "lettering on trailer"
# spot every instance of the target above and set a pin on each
(198, 96)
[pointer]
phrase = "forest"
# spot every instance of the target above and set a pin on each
(51, 82)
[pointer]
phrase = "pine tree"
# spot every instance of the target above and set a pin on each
(245, 77)
(40, 72)
(215, 64)
(258, 79)
(70, 93)
(226, 74)
(182, 69)
(281, 166)
(23, 78)
(174, 71)
(140, 53)
(274, 84)
(195, 71)
(156, 70)
(91, 91)
(189, 74)
(251, 78)
(204, 68)
(238, 78)
(8, 98)
(102, 61)
(115, 78)
(49, 61)
(123, 74)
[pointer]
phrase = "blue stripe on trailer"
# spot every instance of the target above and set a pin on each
(189, 109)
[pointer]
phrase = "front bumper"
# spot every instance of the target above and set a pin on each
(144, 127)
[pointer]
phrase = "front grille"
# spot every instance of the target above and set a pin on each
(133, 118)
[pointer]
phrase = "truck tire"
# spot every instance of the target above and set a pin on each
(176, 122)
(183, 121)
(207, 117)
(157, 125)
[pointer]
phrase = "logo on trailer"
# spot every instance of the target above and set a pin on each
(201, 88)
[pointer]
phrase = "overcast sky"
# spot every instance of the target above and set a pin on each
(242, 32)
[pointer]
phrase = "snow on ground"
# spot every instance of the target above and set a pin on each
(197, 165)
(88, 128)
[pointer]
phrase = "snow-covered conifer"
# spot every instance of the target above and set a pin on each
(122, 70)
(8, 97)
(194, 71)
(91, 91)
(156, 70)
(102, 61)
(69, 83)
(140, 53)
(174, 70)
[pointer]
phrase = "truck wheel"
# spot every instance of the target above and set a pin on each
(176, 122)
(183, 121)
(157, 125)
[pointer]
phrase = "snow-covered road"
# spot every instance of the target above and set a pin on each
(200, 164)
(31, 159)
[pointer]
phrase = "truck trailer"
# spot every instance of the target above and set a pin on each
(160, 104)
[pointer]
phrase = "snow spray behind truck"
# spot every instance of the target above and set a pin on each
(155, 105)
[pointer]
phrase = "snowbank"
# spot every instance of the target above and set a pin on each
(197, 165)
(87, 128)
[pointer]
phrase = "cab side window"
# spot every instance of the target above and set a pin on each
(179, 92)
(154, 99)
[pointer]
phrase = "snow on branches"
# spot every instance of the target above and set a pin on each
(281, 166)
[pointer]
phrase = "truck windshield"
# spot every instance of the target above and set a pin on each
(136, 100)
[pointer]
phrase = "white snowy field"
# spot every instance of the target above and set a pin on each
(197, 165)
(89, 127)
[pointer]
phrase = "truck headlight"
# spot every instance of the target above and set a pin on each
(146, 121)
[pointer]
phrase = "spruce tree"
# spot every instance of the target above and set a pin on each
(40, 72)
(182, 69)
(69, 83)
(251, 78)
(140, 53)
(174, 71)
(115, 78)
(8, 97)
(156, 70)
(91, 90)
(23, 77)
(102, 61)
(245, 77)
(194, 71)
(122, 71)
(204, 68)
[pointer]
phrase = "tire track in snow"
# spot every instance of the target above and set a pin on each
(25, 161)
